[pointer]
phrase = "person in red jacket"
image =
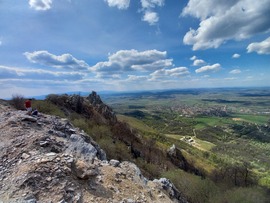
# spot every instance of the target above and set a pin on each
(28, 106)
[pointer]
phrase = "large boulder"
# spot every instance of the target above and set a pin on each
(81, 149)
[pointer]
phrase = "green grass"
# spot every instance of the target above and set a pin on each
(251, 118)
(211, 121)
(135, 123)
(48, 108)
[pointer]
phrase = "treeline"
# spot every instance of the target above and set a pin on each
(252, 131)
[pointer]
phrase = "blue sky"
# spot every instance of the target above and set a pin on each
(57, 46)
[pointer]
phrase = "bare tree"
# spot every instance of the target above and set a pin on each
(18, 101)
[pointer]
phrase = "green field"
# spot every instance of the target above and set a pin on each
(222, 137)
(232, 125)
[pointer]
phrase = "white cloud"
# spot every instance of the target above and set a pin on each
(136, 78)
(65, 61)
(230, 78)
(225, 20)
(250, 78)
(235, 71)
(174, 72)
(193, 58)
(133, 60)
(147, 4)
(120, 4)
(150, 17)
(148, 14)
(37, 74)
(154, 65)
(235, 56)
(40, 5)
(260, 47)
(210, 68)
(198, 62)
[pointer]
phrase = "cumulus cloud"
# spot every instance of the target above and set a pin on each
(40, 5)
(235, 71)
(174, 72)
(260, 47)
(37, 74)
(65, 61)
(150, 17)
(198, 62)
(235, 56)
(120, 4)
(148, 14)
(133, 60)
(193, 58)
(102, 75)
(225, 20)
(147, 4)
(210, 68)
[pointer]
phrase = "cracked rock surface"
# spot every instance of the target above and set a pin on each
(45, 159)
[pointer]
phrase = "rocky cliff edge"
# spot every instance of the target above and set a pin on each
(46, 159)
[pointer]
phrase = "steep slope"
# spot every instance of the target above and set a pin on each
(146, 151)
(46, 159)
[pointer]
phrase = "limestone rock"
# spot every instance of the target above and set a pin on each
(28, 118)
(81, 149)
(114, 162)
(84, 170)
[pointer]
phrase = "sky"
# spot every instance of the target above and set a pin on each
(58, 46)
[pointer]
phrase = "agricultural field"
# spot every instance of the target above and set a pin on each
(214, 126)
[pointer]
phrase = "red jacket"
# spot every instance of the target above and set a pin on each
(27, 104)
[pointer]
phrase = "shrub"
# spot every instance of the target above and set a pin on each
(18, 101)
(242, 195)
(194, 188)
(47, 107)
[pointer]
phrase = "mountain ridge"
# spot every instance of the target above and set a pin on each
(47, 159)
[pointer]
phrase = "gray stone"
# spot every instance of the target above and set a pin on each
(81, 149)
(50, 132)
(172, 150)
(44, 143)
(50, 154)
(28, 118)
(168, 186)
(60, 134)
(62, 201)
(25, 156)
(114, 162)
(84, 170)
(31, 201)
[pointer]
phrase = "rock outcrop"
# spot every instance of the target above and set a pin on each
(102, 108)
(46, 159)
(91, 106)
